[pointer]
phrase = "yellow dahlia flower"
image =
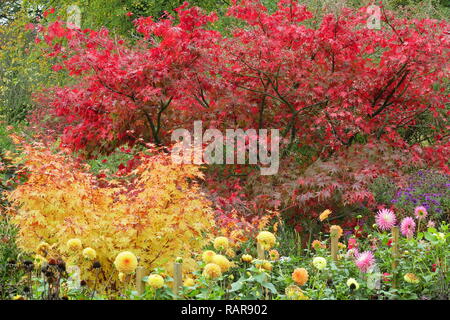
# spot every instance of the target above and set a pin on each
(274, 255)
(353, 284)
(89, 253)
(74, 244)
(247, 258)
(316, 244)
(267, 266)
(155, 281)
(126, 262)
(189, 282)
(411, 278)
(208, 255)
(222, 262)
(43, 248)
(319, 263)
(266, 239)
(221, 243)
(325, 214)
(336, 230)
(212, 271)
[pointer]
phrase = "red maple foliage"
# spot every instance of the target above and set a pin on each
(327, 87)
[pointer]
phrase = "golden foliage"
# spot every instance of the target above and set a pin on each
(159, 214)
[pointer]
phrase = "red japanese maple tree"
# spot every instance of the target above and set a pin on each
(328, 87)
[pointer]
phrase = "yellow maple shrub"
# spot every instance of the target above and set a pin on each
(158, 213)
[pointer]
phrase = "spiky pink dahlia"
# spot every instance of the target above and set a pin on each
(420, 212)
(407, 227)
(385, 219)
(364, 261)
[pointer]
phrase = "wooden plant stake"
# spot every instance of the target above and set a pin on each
(140, 285)
(334, 245)
(260, 251)
(177, 278)
(395, 254)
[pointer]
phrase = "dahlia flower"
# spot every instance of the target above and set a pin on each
(221, 243)
(411, 278)
(266, 239)
(325, 214)
(212, 271)
(222, 262)
(155, 281)
(208, 255)
(300, 276)
(319, 263)
(385, 219)
(420, 212)
(247, 258)
(364, 261)
(126, 262)
(336, 230)
(352, 284)
(89, 253)
(74, 244)
(408, 227)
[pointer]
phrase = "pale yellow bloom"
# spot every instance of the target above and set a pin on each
(208, 255)
(74, 244)
(212, 271)
(126, 262)
(266, 239)
(221, 243)
(89, 253)
(222, 262)
(155, 281)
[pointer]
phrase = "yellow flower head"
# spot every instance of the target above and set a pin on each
(189, 282)
(208, 255)
(221, 243)
(274, 255)
(18, 297)
(155, 281)
(316, 244)
(319, 263)
(300, 276)
(411, 278)
(126, 262)
(74, 244)
(43, 249)
(336, 231)
(266, 239)
(222, 262)
(89, 253)
(352, 284)
(293, 292)
(325, 214)
(267, 266)
(212, 271)
(230, 252)
(247, 258)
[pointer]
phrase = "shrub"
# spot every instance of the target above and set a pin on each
(158, 214)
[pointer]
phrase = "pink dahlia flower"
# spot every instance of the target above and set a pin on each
(385, 219)
(420, 212)
(364, 261)
(407, 227)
